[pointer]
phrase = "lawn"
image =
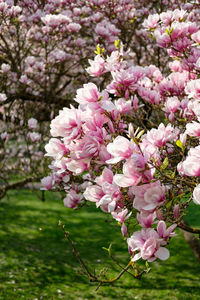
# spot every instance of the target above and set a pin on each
(36, 261)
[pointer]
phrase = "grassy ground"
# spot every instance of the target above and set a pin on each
(36, 262)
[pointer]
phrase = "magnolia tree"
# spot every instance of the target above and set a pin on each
(44, 49)
(132, 147)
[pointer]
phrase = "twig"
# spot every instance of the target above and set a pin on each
(92, 277)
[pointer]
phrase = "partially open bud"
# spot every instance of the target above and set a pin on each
(176, 211)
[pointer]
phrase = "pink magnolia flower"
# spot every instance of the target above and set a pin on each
(32, 123)
(55, 148)
(72, 199)
(67, 124)
(5, 68)
(165, 232)
(4, 135)
(193, 129)
(125, 81)
(148, 95)
(176, 211)
(74, 27)
(47, 183)
(96, 66)
(196, 195)
(113, 62)
(93, 193)
(89, 93)
(196, 37)
(148, 196)
(145, 219)
(191, 166)
(193, 89)
(120, 149)
(24, 79)
(159, 137)
(106, 194)
(147, 242)
(121, 215)
(34, 136)
(77, 167)
(172, 105)
(123, 106)
(151, 22)
(166, 17)
(132, 171)
(3, 97)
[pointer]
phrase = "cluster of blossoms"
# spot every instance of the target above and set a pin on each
(130, 144)
(111, 151)
(45, 46)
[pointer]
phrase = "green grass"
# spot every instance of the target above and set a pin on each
(36, 261)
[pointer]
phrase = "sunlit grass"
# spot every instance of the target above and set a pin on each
(36, 261)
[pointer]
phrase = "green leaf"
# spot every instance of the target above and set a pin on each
(169, 204)
(117, 43)
(173, 175)
(165, 163)
(166, 31)
(179, 144)
(108, 249)
(98, 51)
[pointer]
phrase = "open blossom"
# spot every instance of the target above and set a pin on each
(133, 172)
(191, 166)
(5, 68)
(55, 20)
(172, 105)
(120, 149)
(113, 62)
(148, 196)
(106, 193)
(67, 124)
(47, 183)
(4, 135)
(55, 147)
(193, 129)
(74, 27)
(165, 232)
(96, 66)
(72, 199)
(148, 243)
(159, 137)
(77, 167)
(89, 93)
(196, 37)
(125, 81)
(196, 194)
(121, 215)
(193, 89)
(151, 22)
(145, 219)
(32, 123)
(34, 136)
(3, 97)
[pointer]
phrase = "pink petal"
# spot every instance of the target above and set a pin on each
(161, 228)
(136, 257)
(123, 181)
(162, 253)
